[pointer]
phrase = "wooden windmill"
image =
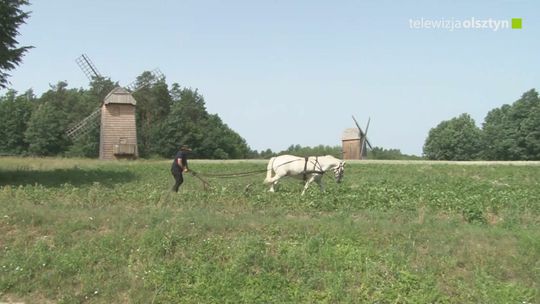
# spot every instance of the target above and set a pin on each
(355, 142)
(115, 116)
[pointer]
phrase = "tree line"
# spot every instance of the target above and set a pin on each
(166, 117)
(169, 116)
(337, 151)
(510, 132)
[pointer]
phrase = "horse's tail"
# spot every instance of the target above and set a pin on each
(269, 170)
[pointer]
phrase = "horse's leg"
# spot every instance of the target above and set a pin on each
(307, 184)
(269, 170)
(318, 180)
(272, 188)
(273, 182)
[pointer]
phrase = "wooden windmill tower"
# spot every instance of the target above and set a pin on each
(115, 116)
(354, 142)
(118, 133)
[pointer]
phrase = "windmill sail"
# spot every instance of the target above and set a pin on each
(363, 147)
(88, 68)
(136, 85)
(361, 133)
(364, 141)
(85, 125)
(118, 133)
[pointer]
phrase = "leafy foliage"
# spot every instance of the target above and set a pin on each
(165, 120)
(375, 153)
(45, 133)
(15, 112)
(316, 150)
(512, 132)
(455, 139)
(189, 123)
(11, 17)
(390, 154)
(153, 106)
(87, 145)
(55, 110)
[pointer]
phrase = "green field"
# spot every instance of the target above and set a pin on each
(84, 231)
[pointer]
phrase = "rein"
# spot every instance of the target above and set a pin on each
(248, 173)
(238, 174)
(206, 184)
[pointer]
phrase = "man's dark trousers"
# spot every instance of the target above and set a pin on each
(178, 178)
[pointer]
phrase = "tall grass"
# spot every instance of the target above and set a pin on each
(78, 231)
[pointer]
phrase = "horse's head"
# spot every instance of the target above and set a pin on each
(338, 171)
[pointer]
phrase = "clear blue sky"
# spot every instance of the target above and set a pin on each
(292, 72)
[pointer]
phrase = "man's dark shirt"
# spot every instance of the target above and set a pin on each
(183, 160)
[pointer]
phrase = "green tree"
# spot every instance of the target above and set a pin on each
(15, 112)
(189, 123)
(165, 119)
(182, 125)
(221, 142)
(266, 154)
(100, 87)
(455, 139)
(83, 104)
(313, 151)
(45, 134)
(86, 145)
(496, 135)
(11, 17)
(153, 106)
(512, 132)
(48, 123)
(531, 128)
(393, 154)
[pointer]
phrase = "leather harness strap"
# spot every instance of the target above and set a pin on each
(305, 168)
(314, 171)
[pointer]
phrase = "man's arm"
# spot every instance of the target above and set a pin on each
(184, 164)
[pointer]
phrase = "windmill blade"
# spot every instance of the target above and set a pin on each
(88, 67)
(367, 127)
(85, 125)
(358, 126)
(362, 138)
(369, 144)
(363, 149)
(137, 85)
(365, 135)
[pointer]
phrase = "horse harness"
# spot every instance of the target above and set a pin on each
(306, 172)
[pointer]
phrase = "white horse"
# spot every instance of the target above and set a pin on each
(309, 169)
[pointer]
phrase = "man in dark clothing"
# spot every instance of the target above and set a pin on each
(180, 165)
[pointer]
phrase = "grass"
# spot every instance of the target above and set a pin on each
(84, 231)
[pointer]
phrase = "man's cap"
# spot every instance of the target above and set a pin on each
(185, 148)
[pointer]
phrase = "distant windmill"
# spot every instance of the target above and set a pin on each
(355, 142)
(118, 132)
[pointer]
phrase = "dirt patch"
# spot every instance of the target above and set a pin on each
(492, 218)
